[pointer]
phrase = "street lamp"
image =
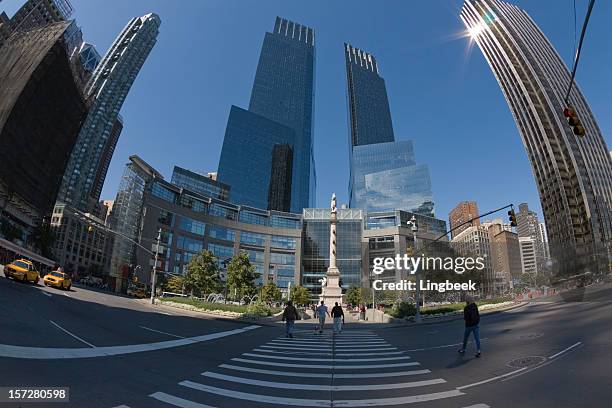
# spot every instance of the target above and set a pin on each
(414, 228)
(154, 272)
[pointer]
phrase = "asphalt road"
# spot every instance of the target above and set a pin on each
(114, 351)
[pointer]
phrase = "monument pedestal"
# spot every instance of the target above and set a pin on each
(331, 292)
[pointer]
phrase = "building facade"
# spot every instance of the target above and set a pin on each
(505, 257)
(573, 173)
(527, 225)
(463, 212)
(107, 91)
(529, 262)
(207, 186)
(475, 242)
(280, 112)
(384, 175)
(38, 13)
(41, 111)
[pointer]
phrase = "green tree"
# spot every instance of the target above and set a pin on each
(354, 296)
(43, 238)
(241, 276)
(270, 293)
(202, 274)
(174, 284)
(300, 295)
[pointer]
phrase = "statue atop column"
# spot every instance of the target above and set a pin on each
(330, 285)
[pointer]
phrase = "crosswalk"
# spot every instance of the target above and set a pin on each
(353, 369)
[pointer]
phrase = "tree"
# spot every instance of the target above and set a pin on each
(174, 284)
(203, 274)
(300, 295)
(354, 296)
(270, 293)
(241, 276)
(43, 238)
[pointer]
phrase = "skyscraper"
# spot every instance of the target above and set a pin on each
(107, 91)
(41, 111)
(282, 100)
(528, 226)
(39, 13)
(573, 173)
(463, 212)
(384, 175)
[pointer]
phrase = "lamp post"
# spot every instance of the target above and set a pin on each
(154, 272)
(414, 228)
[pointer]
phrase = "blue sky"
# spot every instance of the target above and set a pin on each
(442, 93)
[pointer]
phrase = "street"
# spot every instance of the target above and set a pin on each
(113, 351)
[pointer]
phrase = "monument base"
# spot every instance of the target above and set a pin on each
(332, 292)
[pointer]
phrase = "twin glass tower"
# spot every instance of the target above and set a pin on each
(267, 154)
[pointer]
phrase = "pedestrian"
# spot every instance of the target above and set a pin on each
(321, 313)
(290, 315)
(338, 315)
(472, 321)
(362, 312)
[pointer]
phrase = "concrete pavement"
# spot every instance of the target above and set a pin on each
(542, 355)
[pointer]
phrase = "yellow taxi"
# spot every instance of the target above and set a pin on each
(23, 270)
(137, 289)
(58, 279)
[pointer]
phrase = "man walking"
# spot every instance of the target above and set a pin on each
(472, 320)
(321, 313)
(338, 315)
(290, 315)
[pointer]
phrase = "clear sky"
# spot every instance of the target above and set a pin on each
(442, 93)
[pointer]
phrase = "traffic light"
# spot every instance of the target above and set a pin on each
(512, 218)
(572, 120)
(90, 228)
(409, 251)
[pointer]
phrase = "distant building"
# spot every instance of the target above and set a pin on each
(505, 256)
(475, 242)
(79, 249)
(41, 111)
(463, 212)
(528, 226)
(280, 112)
(384, 175)
(528, 255)
(544, 240)
(108, 88)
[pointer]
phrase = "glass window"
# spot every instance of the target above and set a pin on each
(284, 222)
(214, 231)
(252, 218)
(224, 212)
(193, 226)
(284, 259)
(252, 238)
(166, 218)
(164, 193)
(283, 242)
(189, 244)
(254, 256)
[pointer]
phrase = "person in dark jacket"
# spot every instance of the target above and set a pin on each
(472, 321)
(338, 315)
(290, 315)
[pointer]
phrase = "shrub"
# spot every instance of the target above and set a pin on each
(259, 309)
(403, 309)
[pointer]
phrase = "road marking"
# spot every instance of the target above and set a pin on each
(342, 360)
(322, 375)
(46, 293)
(71, 334)
(301, 344)
(444, 346)
(478, 406)
(338, 367)
(319, 403)
(176, 401)
(302, 353)
(7, 350)
(492, 379)
(322, 341)
(321, 387)
(388, 353)
(564, 351)
(328, 348)
(121, 406)
(159, 331)
(167, 314)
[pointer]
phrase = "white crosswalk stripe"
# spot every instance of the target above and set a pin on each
(314, 370)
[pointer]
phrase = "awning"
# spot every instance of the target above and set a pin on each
(26, 253)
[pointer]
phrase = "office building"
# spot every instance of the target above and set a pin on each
(528, 255)
(41, 111)
(279, 193)
(462, 213)
(505, 256)
(528, 226)
(475, 242)
(108, 88)
(79, 248)
(384, 175)
(544, 239)
(39, 13)
(5, 28)
(207, 185)
(573, 174)
(280, 112)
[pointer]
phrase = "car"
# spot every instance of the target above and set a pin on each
(137, 289)
(23, 270)
(58, 279)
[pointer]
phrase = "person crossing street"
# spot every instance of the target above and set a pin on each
(321, 314)
(338, 315)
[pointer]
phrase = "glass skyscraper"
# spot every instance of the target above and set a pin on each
(384, 174)
(573, 173)
(283, 93)
(108, 88)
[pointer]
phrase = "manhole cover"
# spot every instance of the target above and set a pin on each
(526, 361)
(531, 336)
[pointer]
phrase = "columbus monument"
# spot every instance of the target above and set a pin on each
(331, 291)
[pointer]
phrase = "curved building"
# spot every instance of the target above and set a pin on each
(573, 173)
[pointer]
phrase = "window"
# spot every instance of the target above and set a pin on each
(164, 193)
(193, 226)
(252, 238)
(254, 256)
(252, 218)
(283, 259)
(217, 232)
(283, 242)
(189, 244)
(224, 212)
(284, 222)
(166, 218)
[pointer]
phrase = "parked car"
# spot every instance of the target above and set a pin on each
(137, 289)
(23, 270)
